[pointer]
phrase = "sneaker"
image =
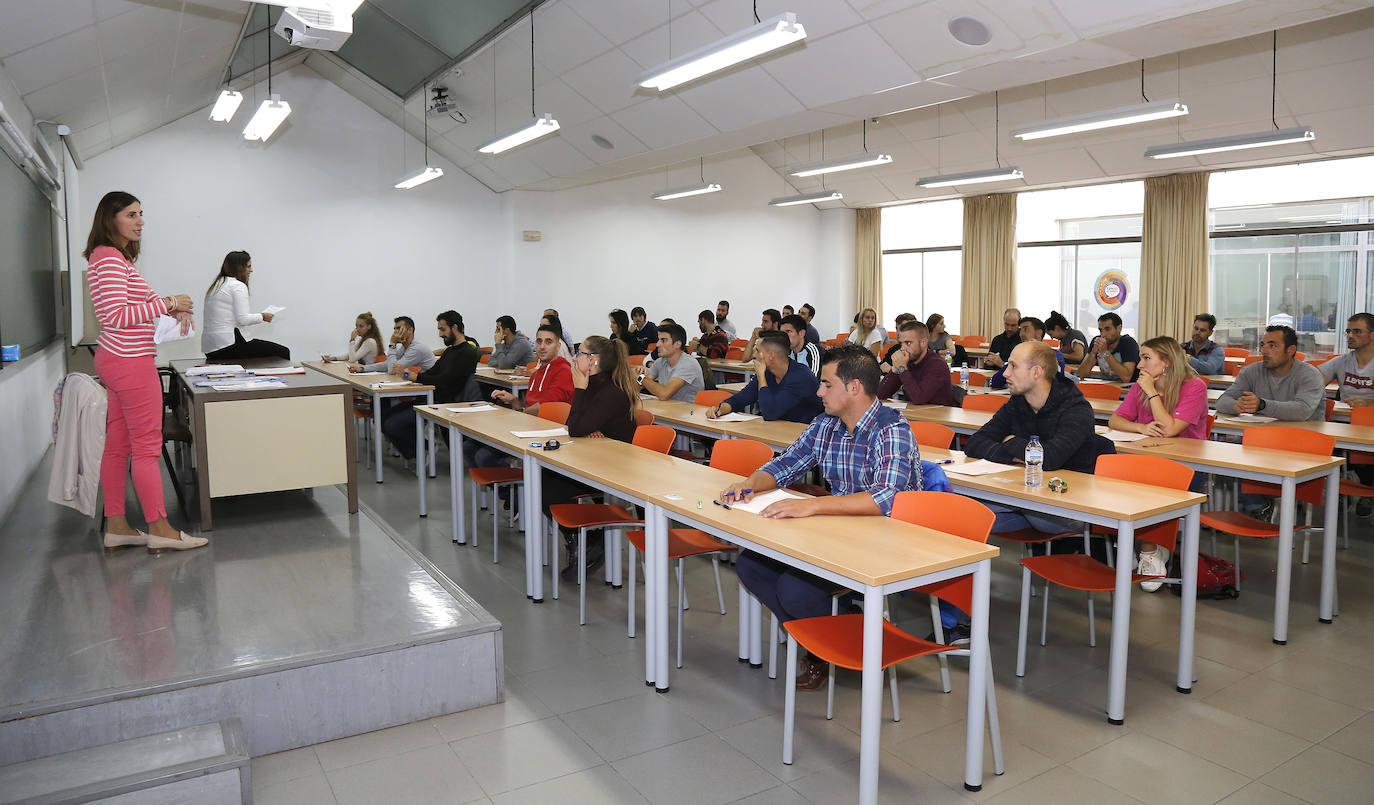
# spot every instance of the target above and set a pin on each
(813, 674)
(1151, 564)
(956, 635)
(1364, 507)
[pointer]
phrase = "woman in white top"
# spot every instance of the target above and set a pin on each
(867, 333)
(364, 342)
(226, 311)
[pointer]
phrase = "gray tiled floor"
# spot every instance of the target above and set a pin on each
(1265, 724)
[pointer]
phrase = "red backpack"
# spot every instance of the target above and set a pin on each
(1216, 578)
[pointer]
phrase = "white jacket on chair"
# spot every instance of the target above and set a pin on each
(75, 479)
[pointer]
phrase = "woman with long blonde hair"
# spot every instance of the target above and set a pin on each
(364, 341)
(866, 332)
(1168, 399)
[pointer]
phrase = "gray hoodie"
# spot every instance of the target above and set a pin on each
(517, 353)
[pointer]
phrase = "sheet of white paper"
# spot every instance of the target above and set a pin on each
(1241, 419)
(390, 384)
(540, 434)
(247, 385)
(895, 404)
(371, 374)
(471, 408)
(734, 417)
(281, 370)
(979, 467)
(758, 503)
(1120, 435)
(214, 369)
(273, 309)
(169, 329)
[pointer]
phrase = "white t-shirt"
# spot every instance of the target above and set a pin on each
(1353, 381)
(687, 368)
(875, 336)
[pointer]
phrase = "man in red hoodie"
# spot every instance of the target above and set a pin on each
(550, 382)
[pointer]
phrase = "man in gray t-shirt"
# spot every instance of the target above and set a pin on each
(1353, 371)
(675, 375)
(1279, 385)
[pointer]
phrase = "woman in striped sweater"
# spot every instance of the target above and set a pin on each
(127, 310)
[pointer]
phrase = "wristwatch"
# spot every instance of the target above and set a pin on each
(1261, 406)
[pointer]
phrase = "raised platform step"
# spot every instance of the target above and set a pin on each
(206, 763)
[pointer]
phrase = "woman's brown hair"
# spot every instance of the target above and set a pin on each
(373, 331)
(235, 266)
(103, 230)
(615, 363)
(1180, 371)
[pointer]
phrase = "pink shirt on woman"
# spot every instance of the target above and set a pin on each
(124, 303)
(1191, 408)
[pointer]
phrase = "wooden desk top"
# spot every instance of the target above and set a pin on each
(673, 412)
(947, 415)
(778, 433)
(295, 385)
(1229, 455)
(731, 366)
(501, 377)
(733, 388)
(495, 425)
(339, 371)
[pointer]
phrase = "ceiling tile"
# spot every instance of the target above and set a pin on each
(740, 99)
(28, 24)
(564, 40)
(51, 101)
(105, 9)
(569, 107)
(619, 21)
(519, 171)
(1071, 59)
(812, 71)
(663, 122)
(1305, 91)
(624, 144)
(1341, 129)
(608, 81)
(921, 37)
(820, 18)
(874, 9)
(147, 29)
(1094, 18)
(556, 157)
(662, 44)
(488, 177)
(211, 39)
(513, 63)
(93, 141)
(54, 61)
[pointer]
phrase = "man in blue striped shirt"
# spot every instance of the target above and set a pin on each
(866, 453)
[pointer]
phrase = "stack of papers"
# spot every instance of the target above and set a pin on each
(540, 434)
(281, 370)
(169, 329)
(1119, 435)
(980, 467)
(734, 417)
(214, 369)
(273, 310)
(248, 384)
(471, 408)
(894, 404)
(1242, 419)
(758, 503)
(390, 384)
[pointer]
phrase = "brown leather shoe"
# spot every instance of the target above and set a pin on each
(813, 675)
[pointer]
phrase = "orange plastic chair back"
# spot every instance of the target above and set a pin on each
(1148, 470)
(484, 350)
(1301, 356)
(532, 365)
(1364, 416)
(644, 417)
(637, 360)
(1211, 422)
(555, 412)
(984, 402)
(734, 354)
(877, 348)
(1053, 342)
(952, 514)
(973, 340)
(416, 370)
(932, 434)
(740, 456)
(486, 358)
(976, 380)
(1236, 352)
(1231, 369)
(841, 336)
(1295, 440)
(711, 398)
(1249, 359)
(658, 438)
(1100, 391)
(740, 342)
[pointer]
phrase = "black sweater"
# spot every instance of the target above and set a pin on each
(601, 406)
(1064, 425)
(450, 373)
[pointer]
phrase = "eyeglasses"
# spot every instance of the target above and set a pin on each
(587, 354)
(1349, 331)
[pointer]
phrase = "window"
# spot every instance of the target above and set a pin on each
(922, 262)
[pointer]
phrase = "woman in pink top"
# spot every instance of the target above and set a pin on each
(1168, 399)
(128, 310)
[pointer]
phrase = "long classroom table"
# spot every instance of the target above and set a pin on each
(878, 555)
(503, 378)
(364, 383)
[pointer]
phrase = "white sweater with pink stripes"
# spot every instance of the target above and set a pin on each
(125, 304)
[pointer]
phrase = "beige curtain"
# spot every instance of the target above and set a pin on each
(1173, 255)
(868, 260)
(989, 263)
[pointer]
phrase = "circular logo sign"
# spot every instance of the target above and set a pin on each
(1111, 289)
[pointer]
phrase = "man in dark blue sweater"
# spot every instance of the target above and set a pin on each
(782, 387)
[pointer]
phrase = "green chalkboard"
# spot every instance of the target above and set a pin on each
(28, 261)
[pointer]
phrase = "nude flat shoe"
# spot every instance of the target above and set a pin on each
(158, 544)
(116, 542)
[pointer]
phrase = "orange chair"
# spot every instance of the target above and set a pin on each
(739, 456)
(710, 399)
(734, 354)
(555, 412)
(1235, 352)
(1301, 356)
(976, 380)
(838, 639)
(842, 336)
(484, 350)
(1249, 359)
(1082, 572)
(740, 342)
(985, 402)
(532, 365)
(932, 434)
(604, 516)
(1231, 369)
(1297, 440)
(643, 416)
(637, 360)
(1100, 391)
(497, 478)
(1364, 417)
(485, 359)
(877, 348)
(973, 340)
(1052, 342)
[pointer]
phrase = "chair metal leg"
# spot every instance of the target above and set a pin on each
(892, 686)
(789, 710)
(994, 725)
(720, 595)
(1092, 624)
(681, 600)
(495, 523)
(1237, 544)
(582, 576)
(1024, 621)
(939, 628)
(772, 645)
(630, 592)
(1044, 613)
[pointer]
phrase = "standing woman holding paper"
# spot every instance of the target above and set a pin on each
(126, 307)
(226, 311)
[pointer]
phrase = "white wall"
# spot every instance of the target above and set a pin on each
(315, 208)
(609, 245)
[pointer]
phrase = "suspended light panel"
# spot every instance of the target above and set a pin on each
(225, 106)
(541, 127)
(767, 36)
(1123, 116)
(271, 114)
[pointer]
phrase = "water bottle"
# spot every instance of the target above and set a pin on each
(963, 376)
(949, 360)
(1035, 459)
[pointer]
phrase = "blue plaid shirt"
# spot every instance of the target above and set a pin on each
(880, 457)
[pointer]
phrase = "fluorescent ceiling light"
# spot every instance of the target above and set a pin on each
(418, 178)
(972, 177)
(1233, 143)
(807, 198)
(684, 192)
(767, 36)
(1124, 116)
(542, 126)
(266, 120)
(225, 106)
(846, 164)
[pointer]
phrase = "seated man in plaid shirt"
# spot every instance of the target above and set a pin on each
(867, 454)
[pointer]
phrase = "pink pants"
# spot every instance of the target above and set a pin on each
(133, 430)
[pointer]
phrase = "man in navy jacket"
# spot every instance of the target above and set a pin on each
(782, 387)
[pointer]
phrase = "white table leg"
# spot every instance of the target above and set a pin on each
(1188, 610)
(377, 433)
(660, 537)
(457, 501)
(979, 663)
(534, 528)
(420, 460)
(429, 430)
(871, 709)
(1284, 574)
(652, 584)
(1121, 623)
(742, 618)
(1332, 505)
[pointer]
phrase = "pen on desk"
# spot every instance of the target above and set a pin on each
(722, 505)
(945, 461)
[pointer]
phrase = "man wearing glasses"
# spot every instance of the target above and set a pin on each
(1353, 373)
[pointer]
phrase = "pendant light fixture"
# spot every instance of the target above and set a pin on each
(1236, 142)
(542, 125)
(1123, 116)
(752, 42)
(271, 113)
(428, 172)
(998, 174)
(864, 160)
(226, 105)
(806, 198)
(691, 190)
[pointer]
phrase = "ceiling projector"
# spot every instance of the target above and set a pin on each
(314, 28)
